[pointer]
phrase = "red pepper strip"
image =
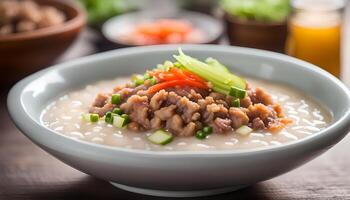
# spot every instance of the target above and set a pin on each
(173, 83)
(194, 76)
(178, 73)
(168, 76)
(153, 73)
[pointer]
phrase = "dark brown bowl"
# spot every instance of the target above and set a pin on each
(260, 35)
(24, 53)
(111, 29)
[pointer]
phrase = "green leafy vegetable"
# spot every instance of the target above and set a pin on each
(258, 10)
(100, 10)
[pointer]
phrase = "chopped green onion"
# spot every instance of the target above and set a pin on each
(207, 130)
(139, 79)
(237, 92)
(117, 111)
(94, 117)
(91, 117)
(162, 67)
(177, 64)
(200, 135)
(146, 76)
(168, 64)
(116, 99)
(153, 81)
(126, 117)
(85, 117)
(139, 82)
(244, 130)
(109, 118)
(135, 77)
(236, 103)
(119, 121)
(160, 137)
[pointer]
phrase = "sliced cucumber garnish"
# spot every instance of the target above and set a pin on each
(119, 121)
(160, 137)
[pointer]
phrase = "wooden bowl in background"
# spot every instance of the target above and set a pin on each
(261, 35)
(24, 53)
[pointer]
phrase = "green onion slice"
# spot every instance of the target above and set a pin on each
(236, 103)
(117, 111)
(109, 118)
(116, 99)
(91, 117)
(237, 92)
(207, 130)
(201, 135)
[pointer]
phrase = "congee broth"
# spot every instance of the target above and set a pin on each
(186, 105)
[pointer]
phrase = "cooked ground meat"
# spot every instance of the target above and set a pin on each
(221, 125)
(101, 104)
(183, 111)
(165, 113)
(137, 108)
(187, 108)
(238, 117)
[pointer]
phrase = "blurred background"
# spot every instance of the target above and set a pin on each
(37, 33)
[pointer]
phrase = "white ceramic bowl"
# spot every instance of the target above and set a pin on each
(179, 173)
(211, 27)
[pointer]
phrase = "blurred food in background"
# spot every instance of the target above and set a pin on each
(163, 31)
(257, 23)
(34, 33)
(315, 33)
(23, 16)
(100, 11)
(150, 28)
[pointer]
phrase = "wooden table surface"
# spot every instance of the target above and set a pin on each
(27, 172)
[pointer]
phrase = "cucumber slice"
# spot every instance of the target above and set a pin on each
(118, 121)
(160, 137)
(90, 117)
(244, 130)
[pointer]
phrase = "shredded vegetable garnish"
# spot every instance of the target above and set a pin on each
(173, 83)
(214, 72)
(175, 77)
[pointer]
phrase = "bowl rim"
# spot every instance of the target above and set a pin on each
(78, 21)
(108, 22)
(15, 105)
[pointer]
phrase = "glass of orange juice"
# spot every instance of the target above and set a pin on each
(315, 33)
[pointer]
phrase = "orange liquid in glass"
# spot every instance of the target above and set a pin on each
(316, 40)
